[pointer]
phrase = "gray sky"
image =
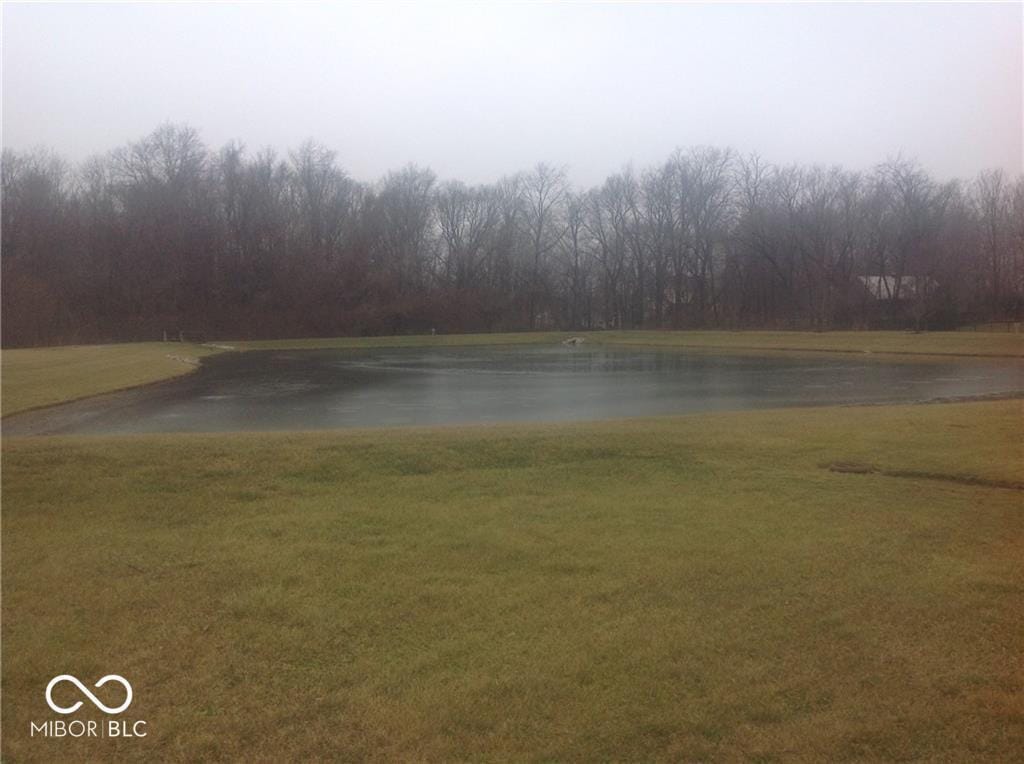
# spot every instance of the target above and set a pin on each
(477, 91)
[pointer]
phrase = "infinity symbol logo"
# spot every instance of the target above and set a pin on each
(85, 690)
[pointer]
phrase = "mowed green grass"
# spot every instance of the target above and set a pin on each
(43, 376)
(405, 341)
(983, 344)
(691, 588)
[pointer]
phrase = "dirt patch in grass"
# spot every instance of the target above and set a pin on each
(860, 468)
(856, 468)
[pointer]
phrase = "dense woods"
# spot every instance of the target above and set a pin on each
(167, 235)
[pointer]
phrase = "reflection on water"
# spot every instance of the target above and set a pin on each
(340, 388)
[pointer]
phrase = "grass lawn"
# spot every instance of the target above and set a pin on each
(685, 588)
(44, 376)
(406, 341)
(983, 344)
(926, 343)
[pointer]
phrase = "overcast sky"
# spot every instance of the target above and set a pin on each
(478, 91)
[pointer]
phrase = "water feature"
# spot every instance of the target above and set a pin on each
(301, 390)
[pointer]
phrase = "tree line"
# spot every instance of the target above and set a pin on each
(166, 235)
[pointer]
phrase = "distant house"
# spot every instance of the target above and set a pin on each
(897, 289)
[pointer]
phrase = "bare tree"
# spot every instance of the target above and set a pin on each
(544, 194)
(163, 233)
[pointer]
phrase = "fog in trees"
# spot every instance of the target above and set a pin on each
(166, 234)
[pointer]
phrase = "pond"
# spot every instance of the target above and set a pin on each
(302, 390)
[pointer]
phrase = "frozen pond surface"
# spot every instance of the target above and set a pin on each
(301, 390)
